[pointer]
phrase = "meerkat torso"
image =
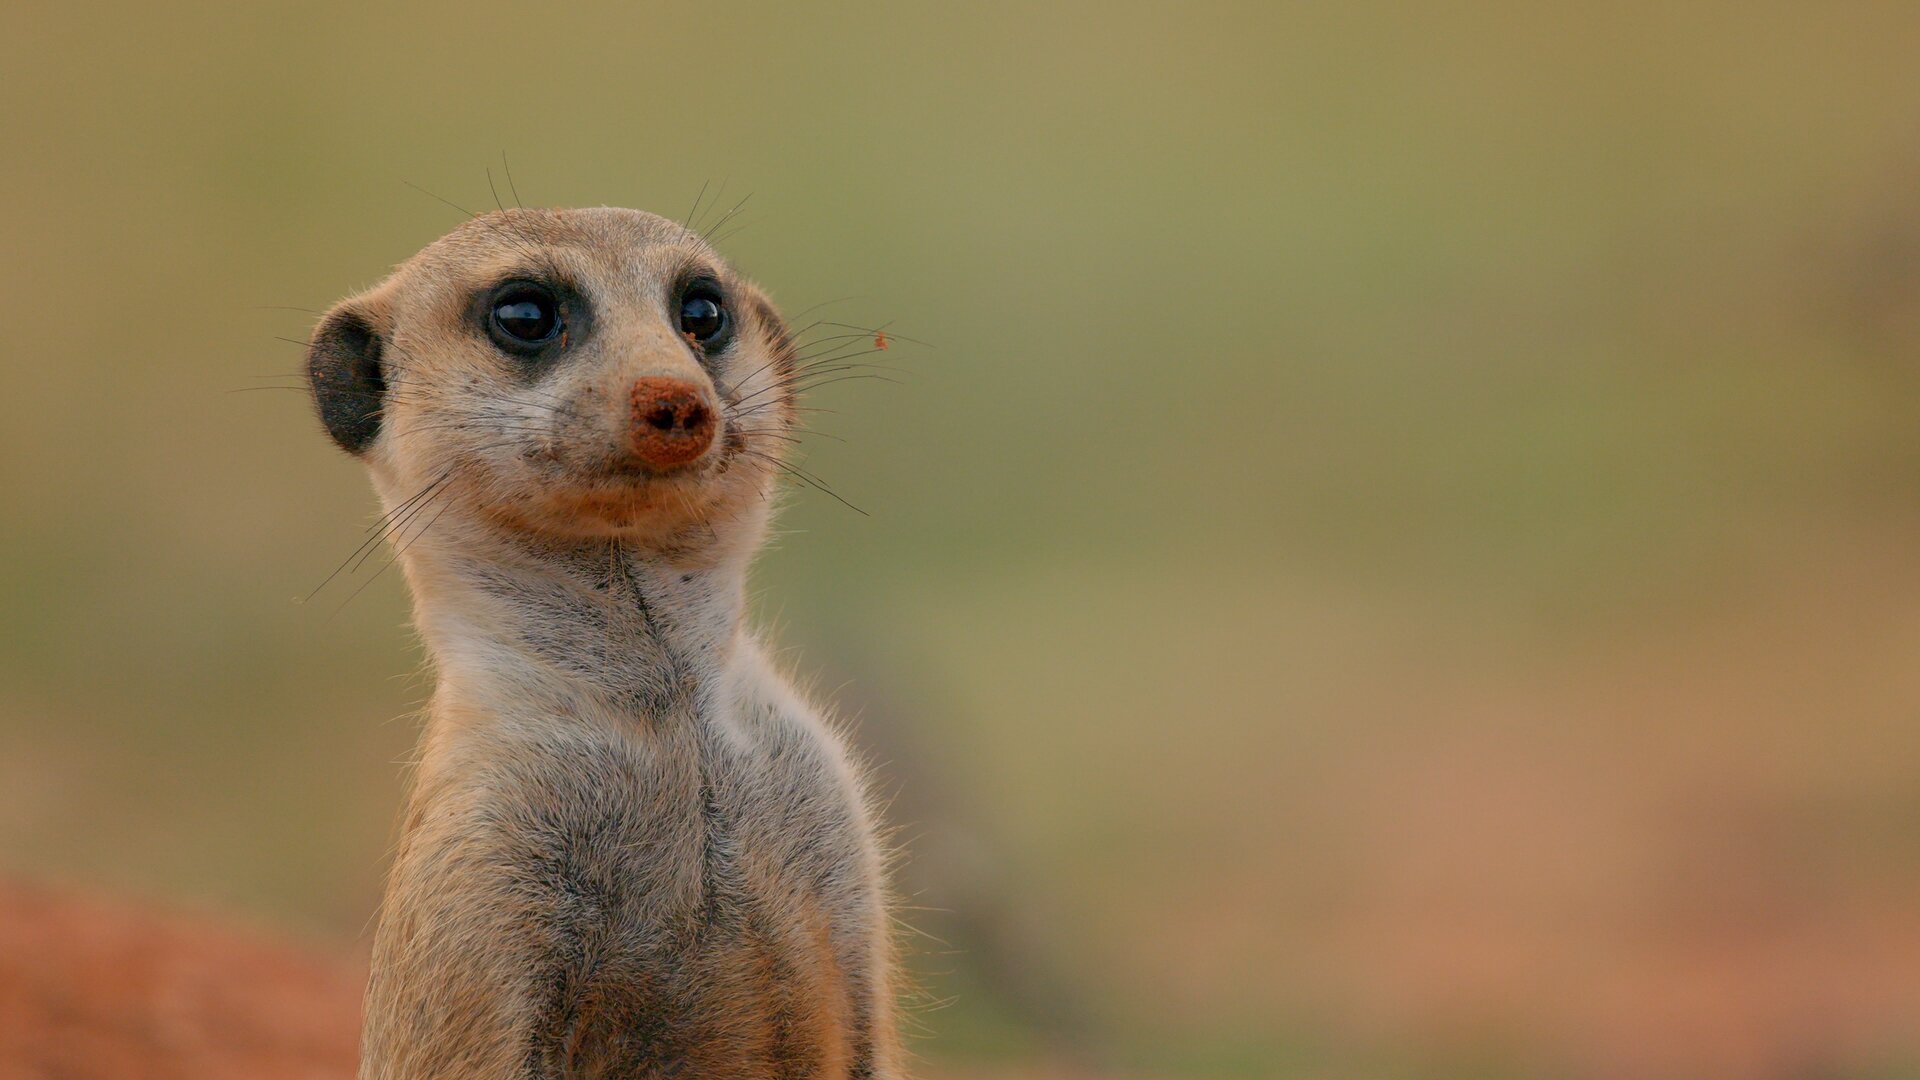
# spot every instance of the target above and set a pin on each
(632, 850)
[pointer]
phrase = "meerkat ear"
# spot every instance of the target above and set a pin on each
(344, 369)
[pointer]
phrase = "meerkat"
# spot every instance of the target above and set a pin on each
(631, 848)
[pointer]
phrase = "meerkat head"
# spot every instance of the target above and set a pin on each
(571, 373)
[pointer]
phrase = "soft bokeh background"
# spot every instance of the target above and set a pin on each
(1400, 560)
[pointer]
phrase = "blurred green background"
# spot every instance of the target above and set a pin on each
(1399, 562)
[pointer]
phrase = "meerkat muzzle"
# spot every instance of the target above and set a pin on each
(673, 421)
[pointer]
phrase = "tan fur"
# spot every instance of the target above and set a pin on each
(631, 848)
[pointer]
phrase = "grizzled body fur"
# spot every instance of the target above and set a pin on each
(631, 848)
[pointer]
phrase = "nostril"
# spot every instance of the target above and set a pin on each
(661, 418)
(696, 417)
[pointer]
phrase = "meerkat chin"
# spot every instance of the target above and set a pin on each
(631, 848)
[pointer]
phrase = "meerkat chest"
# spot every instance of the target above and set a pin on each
(691, 891)
(689, 819)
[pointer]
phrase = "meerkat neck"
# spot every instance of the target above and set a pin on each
(577, 626)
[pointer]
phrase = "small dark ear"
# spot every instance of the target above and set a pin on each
(349, 386)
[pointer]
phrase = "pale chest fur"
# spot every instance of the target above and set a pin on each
(631, 851)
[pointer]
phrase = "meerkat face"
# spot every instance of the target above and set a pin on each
(577, 373)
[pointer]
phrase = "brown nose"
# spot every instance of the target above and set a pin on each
(672, 421)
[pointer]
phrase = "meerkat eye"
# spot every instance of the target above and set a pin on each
(524, 315)
(701, 315)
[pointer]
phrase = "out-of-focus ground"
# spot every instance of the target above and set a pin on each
(1399, 562)
(99, 988)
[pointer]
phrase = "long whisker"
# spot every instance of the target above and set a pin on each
(376, 528)
(804, 477)
(391, 560)
(508, 169)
